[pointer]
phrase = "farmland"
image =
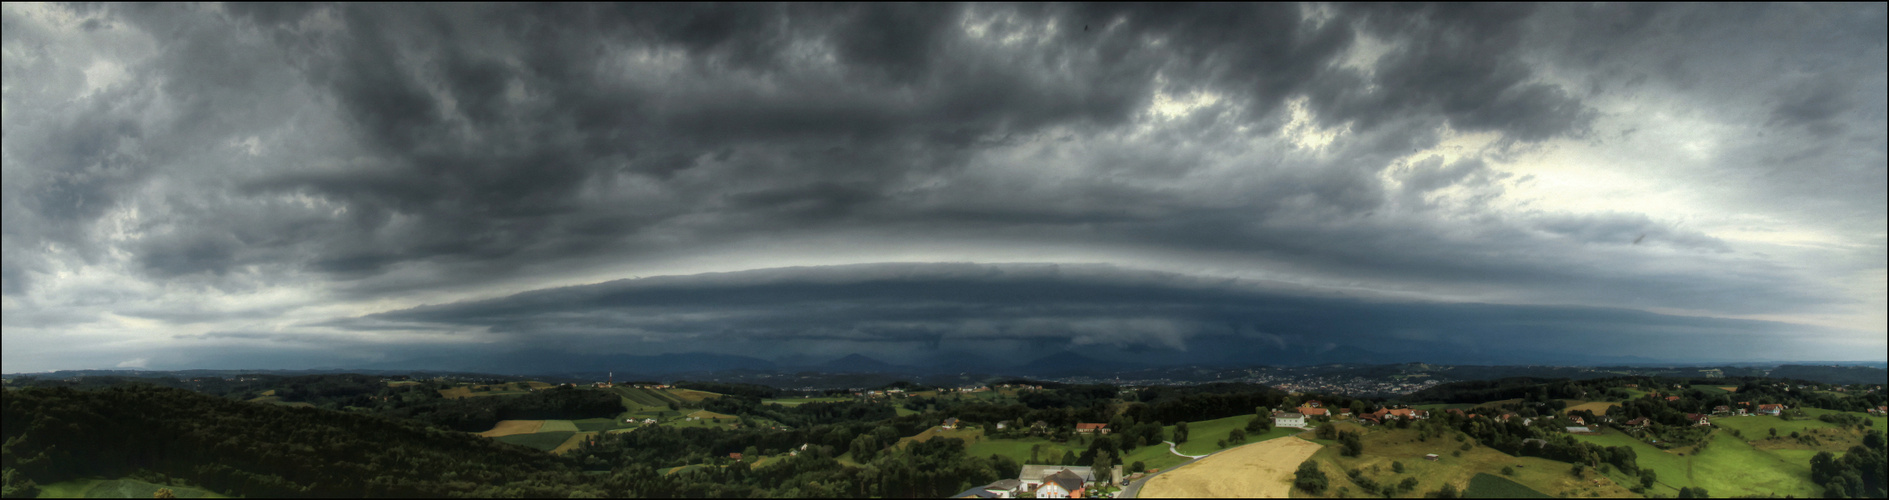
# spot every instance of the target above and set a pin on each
(1255, 470)
(1384, 447)
(514, 427)
(542, 441)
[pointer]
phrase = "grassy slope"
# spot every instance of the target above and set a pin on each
(1493, 486)
(1755, 464)
(117, 488)
(1383, 446)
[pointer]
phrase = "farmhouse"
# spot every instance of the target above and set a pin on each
(1087, 428)
(736, 456)
(1772, 410)
(1721, 410)
(1638, 422)
(1062, 484)
(1672, 398)
(1032, 477)
(1698, 419)
(950, 423)
(1288, 420)
(1312, 411)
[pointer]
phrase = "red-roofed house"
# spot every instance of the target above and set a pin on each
(1772, 410)
(1638, 422)
(1313, 411)
(1672, 398)
(736, 456)
(1698, 419)
(1091, 428)
(1314, 404)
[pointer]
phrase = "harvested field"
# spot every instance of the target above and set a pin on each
(571, 444)
(513, 427)
(1598, 407)
(692, 396)
(558, 426)
(1256, 470)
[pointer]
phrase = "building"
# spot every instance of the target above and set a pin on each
(1063, 484)
(1003, 424)
(736, 456)
(1031, 477)
(1698, 419)
(1006, 488)
(1721, 410)
(1087, 428)
(1580, 430)
(951, 423)
(1314, 404)
(1772, 410)
(1431, 457)
(1312, 411)
(1638, 422)
(1288, 420)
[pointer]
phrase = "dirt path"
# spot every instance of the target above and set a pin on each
(1257, 470)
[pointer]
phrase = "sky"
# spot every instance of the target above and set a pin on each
(300, 186)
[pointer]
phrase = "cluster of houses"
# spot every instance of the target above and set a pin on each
(1298, 417)
(1046, 481)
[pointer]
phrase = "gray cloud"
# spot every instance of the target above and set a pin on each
(259, 166)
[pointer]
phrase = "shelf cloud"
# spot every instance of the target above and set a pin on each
(319, 185)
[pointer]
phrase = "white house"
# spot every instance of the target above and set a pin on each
(1288, 420)
(1063, 484)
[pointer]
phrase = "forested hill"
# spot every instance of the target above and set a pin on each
(57, 434)
(1832, 374)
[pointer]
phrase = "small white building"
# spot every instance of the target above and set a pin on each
(1288, 420)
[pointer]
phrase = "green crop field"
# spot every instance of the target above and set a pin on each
(542, 441)
(598, 424)
(558, 426)
(1486, 485)
(117, 488)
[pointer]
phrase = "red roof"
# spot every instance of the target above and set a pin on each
(1770, 407)
(1090, 427)
(1672, 398)
(1313, 411)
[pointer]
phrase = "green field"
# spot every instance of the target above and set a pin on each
(117, 488)
(1202, 435)
(1487, 485)
(1728, 466)
(802, 401)
(1385, 446)
(558, 426)
(598, 424)
(542, 441)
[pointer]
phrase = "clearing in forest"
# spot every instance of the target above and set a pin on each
(1256, 470)
(513, 427)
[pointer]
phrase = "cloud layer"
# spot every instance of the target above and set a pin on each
(273, 177)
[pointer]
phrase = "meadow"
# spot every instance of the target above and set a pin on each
(541, 441)
(1385, 446)
(1486, 485)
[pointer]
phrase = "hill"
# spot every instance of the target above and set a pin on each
(240, 448)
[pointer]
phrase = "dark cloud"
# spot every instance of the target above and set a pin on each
(959, 306)
(390, 154)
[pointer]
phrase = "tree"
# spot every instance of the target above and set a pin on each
(1138, 466)
(1180, 432)
(1069, 458)
(1397, 467)
(1237, 436)
(1104, 467)
(1310, 479)
(163, 493)
(1447, 491)
(1508, 471)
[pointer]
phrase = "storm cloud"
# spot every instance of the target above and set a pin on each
(351, 179)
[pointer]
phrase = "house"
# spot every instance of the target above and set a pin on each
(951, 423)
(1312, 411)
(1001, 425)
(1404, 413)
(1772, 410)
(1288, 420)
(736, 456)
(1880, 410)
(648, 421)
(1580, 430)
(1063, 484)
(1698, 419)
(1087, 428)
(1638, 422)
(1672, 398)
(1578, 420)
(1431, 457)
(1314, 404)
(1031, 477)
(1004, 488)
(1721, 410)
